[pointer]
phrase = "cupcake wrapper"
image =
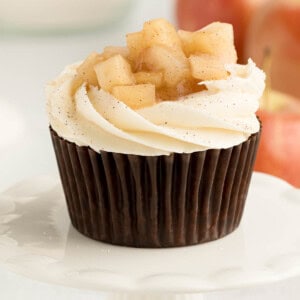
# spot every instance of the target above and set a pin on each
(155, 201)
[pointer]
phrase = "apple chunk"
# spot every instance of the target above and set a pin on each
(135, 45)
(215, 39)
(159, 57)
(161, 32)
(174, 66)
(207, 67)
(114, 71)
(86, 72)
(135, 96)
(110, 51)
(155, 78)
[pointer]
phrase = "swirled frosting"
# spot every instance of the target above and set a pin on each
(221, 116)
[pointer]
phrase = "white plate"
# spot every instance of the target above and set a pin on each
(36, 240)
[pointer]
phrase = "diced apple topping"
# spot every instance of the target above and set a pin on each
(86, 72)
(155, 78)
(207, 67)
(216, 39)
(161, 32)
(116, 70)
(160, 63)
(135, 46)
(174, 66)
(135, 96)
(112, 50)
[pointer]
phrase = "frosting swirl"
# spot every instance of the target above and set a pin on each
(221, 116)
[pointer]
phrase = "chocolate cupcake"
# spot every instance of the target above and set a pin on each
(156, 141)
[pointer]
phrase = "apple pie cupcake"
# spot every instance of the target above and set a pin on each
(156, 141)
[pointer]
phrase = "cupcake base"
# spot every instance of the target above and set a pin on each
(155, 201)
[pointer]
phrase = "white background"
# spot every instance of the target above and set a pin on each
(26, 64)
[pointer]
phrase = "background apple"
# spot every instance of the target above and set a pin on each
(194, 14)
(261, 25)
(276, 27)
(279, 149)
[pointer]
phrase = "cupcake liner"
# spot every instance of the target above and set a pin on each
(155, 201)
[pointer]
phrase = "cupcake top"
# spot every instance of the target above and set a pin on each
(167, 91)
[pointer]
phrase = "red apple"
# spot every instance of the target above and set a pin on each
(194, 14)
(279, 149)
(276, 27)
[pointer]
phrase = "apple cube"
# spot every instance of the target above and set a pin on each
(135, 45)
(161, 32)
(215, 39)
(135, 96)
(174, 66)
(114, 71)
(155, 78)
(188, 41)
(112, 50)
(207, 67)
(86, 72)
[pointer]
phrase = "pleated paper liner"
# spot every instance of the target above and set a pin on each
(155, 201)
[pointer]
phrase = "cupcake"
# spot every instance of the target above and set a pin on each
(155, 142)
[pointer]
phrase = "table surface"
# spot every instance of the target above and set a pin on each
(26, 64)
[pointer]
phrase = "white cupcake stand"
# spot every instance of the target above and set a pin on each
(37, 241)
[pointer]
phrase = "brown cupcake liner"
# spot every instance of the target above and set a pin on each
(155, 201)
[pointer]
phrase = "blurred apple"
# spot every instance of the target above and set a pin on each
(279, 149)
(276, 27)
(194, 14)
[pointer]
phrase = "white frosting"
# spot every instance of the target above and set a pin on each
(220, 117)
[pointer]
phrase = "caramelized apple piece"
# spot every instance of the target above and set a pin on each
(161, 32)
(158, 61)
(112, 50)
(207, 67)
(155, 78)
(114, 71)
(216, 39)
(174, 66)
(188, 40)
(135, 96)
(86, 72)
(135, 45)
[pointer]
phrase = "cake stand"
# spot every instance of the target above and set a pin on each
(37, 241)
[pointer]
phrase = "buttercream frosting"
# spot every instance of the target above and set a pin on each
(221, 116)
